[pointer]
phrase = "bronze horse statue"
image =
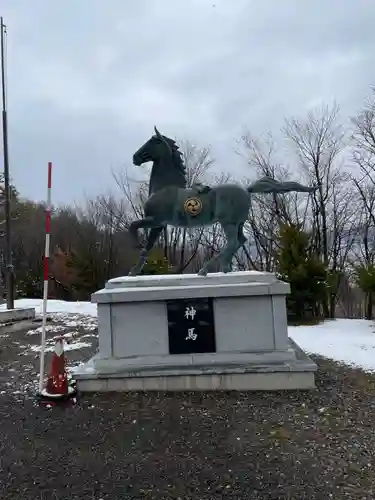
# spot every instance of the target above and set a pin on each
(171, 202)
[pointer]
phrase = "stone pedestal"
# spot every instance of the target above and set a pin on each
(186, 332)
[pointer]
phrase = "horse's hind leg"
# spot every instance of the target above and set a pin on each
(151, 240)
(226, 254)
(228, 257)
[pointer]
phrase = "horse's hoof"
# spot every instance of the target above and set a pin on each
(202, 272)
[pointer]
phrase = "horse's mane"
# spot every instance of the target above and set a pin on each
(178, 161)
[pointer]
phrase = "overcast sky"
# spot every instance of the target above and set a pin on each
(88, 79)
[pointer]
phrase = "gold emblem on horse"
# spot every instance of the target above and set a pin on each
(193, 206)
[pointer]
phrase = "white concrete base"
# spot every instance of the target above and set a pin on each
(18, 314)
(46, 394)
(296, 374)
(224, 382)
(251, 348)
(249, 313)
(181, 361)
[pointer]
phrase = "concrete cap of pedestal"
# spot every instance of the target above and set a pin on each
(212, 279)
(188, 286)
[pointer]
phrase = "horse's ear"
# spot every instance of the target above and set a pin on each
(158, 134)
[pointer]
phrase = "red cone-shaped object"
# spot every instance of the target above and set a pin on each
(57, 383)
(57, 387)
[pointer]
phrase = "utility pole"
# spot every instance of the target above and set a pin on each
(7, 193)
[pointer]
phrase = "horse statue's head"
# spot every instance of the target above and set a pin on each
(157, 148)
(169, 168)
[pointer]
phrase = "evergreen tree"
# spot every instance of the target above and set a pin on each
(156, 263)
(365, 278)
(303, 271)
(87, 273)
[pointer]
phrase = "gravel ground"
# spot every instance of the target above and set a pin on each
(292, 445)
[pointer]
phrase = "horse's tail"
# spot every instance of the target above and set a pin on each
(270, 185)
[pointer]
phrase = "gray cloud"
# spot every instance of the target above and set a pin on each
(89, 79)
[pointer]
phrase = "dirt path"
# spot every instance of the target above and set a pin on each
(295, 445)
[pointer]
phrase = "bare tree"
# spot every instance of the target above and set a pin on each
(131, 196)
(363, 251)
(198, 162)
(364, 182)
(343, 230)
(267, 212)
(319, 143)
(364, 141)
(28, 246)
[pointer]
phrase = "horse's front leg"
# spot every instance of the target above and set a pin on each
(151, 240)
(145, 223)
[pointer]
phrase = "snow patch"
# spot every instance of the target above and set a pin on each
(49, 329)
(73, 346)
(349, 341)
(67, 320)
(87, 367)
(57, 306)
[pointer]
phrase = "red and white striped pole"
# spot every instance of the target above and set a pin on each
(45, 275)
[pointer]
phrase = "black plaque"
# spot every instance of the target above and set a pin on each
(191, 326)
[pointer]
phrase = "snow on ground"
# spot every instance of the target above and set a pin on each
(62, 315)
(76, 322)
(62, 321)
(87, 367)
(57, 306)
(350, 341)
(50, 346)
